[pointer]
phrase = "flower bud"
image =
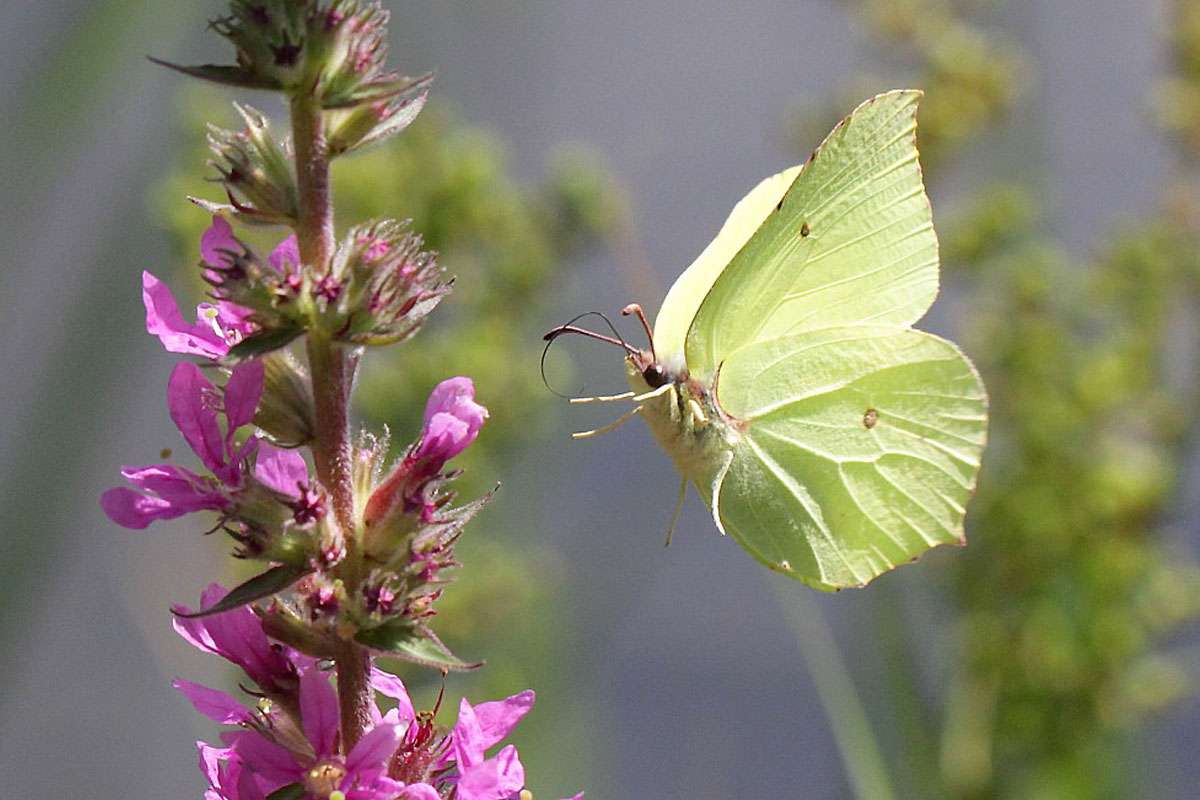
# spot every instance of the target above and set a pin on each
(452, 421)
(256, 173)
(385, 285)
(269, 36)
(285, 412)
(267, 293)
(367, 123)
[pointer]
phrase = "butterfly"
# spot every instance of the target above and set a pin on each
(827, 436)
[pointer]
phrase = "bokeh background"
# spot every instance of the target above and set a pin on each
(576, 156)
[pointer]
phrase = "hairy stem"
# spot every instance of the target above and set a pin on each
(332, 371)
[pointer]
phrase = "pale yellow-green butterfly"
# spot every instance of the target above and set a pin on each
(828, 437)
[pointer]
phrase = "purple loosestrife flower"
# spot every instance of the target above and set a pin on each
(452, 421)
(237, 636)
(217, 327)
(285, 472)
(168, 491)
(315, 762)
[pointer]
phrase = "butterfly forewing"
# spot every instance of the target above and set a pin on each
(852, 241)
(860, 449)
(683, 300)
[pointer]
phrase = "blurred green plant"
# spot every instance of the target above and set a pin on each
(508, 244)
(1071, 584)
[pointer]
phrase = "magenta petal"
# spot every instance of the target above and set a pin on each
(213, 703)
(319, 711)
(235, 318)
(452, 420)
(391, 686)
(247, 787)
(419, 791)
(194, 415)
(280, 469)
(285, 254)
(237, 636)
(498, 718)
(468, 737)
(217, 242)
(134, 510)
(192, 630)
(497, 778)
(210, 761)
(242, 393)
(275, 765)
(368, 758)
(177, 336)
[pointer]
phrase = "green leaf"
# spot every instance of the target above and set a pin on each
(226, 76)
(268, 583)
(293, 791)
(415, 643)
(263, 343)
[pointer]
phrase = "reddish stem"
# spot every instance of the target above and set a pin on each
(332, 373)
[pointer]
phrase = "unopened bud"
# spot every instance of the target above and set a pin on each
(371, 122)
(388, 285)
(285, 412)
(256, 173)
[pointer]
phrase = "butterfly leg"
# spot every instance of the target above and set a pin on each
(718, 482)
(612, 426)
(604, 398)
(641, 398)
(683, 484)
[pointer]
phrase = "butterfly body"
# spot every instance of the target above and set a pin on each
(686, 422)
(828, 437)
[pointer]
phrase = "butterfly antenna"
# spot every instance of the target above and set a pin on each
(678, 509)
(612, 426)
(570, 327)
(636, 309)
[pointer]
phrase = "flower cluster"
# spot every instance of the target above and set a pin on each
(356, 546)
(288, 736)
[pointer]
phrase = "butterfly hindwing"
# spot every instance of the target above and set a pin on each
(859, 449)
(851, 241)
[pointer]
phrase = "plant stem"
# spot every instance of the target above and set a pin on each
(331, 368)
(852, 733)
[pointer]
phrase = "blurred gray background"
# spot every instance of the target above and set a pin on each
(686, 677)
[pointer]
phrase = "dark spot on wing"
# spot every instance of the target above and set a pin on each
(804, 229)
(870, 418)
(779, 205)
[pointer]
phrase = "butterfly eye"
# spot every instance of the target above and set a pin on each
(654, 376)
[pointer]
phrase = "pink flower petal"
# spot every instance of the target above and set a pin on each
(213, 703)
(498, 718)
(286, 254)
(419, 791)
(134, 510)
(391, 686)
(468, 744)
(497, 778)
(210, 761)
(177, 336)
(280, 469)
(242, 394)
(319, 711)
(193, 413)
(275, 765)
(217, 242)
(368, 759)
